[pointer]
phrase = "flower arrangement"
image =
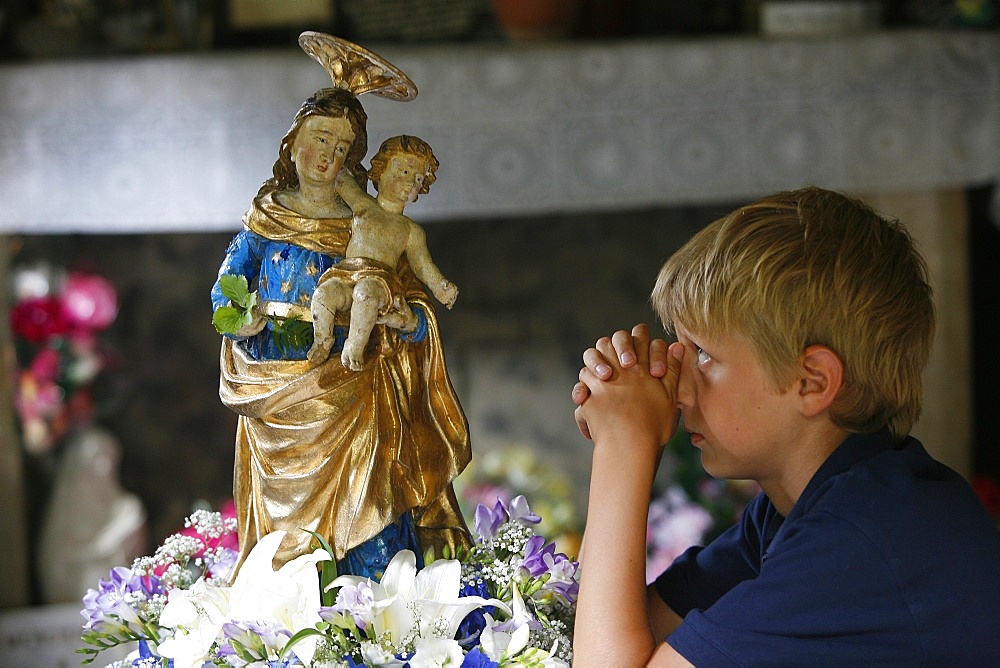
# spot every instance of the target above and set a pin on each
(506, 601)
(508, 472)
(55, 319)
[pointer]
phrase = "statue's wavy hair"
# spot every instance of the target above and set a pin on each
(808, 267)
(334, 103)
(404, 144)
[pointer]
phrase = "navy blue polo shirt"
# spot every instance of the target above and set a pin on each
(888, 557)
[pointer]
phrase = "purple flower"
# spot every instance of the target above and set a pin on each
(256, 637)
(535, 551)
(521, 513)
(353, 600)
(110, 597)
(222, 564)
(487, 521)
(562, 576)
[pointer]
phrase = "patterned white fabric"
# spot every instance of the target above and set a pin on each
(170, 143)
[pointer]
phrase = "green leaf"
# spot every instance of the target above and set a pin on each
(292, 334)
(229, 320)
(304, 633)
(242, 652)
(234, 287)
(328, 572)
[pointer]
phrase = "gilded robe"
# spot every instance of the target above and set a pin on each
(339, 452)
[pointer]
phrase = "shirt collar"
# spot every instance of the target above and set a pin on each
(856, 448)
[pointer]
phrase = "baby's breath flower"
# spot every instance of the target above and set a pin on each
(210, 523)
(439, 627)
(180, 548)
(144, 566)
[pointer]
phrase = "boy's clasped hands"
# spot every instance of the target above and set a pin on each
(629, 385)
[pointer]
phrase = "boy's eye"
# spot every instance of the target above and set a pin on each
(703, 357)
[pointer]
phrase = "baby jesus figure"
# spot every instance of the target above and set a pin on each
(365, 281)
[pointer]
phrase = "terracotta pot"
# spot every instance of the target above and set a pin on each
(536, 19)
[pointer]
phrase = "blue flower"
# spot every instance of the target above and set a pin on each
(476, 659)
(474, 623)
(147, 659)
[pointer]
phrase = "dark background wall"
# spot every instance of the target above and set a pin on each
(534, 293)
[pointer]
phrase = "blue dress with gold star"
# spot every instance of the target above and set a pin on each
(284, 273)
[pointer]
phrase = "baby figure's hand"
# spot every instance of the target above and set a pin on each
(446, 293)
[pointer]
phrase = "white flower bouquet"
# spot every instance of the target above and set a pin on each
(507, 601)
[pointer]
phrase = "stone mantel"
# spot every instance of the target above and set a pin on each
(181, 143)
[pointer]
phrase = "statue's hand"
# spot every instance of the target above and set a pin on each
(446, 292)
(256, 324)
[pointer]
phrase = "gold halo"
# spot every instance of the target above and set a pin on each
(357, 69)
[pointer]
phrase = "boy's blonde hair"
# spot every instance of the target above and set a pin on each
(809, 267)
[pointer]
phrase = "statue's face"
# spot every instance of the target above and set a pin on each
(320, 148)
(403, 177)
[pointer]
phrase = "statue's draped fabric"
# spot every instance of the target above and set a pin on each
(339, 452)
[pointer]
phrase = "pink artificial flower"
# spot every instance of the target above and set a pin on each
(89, 301)
(45, 366)
(39, 405)
(39, 319)
(230, 540)
(37, 397)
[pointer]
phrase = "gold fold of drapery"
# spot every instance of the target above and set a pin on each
(345, 453)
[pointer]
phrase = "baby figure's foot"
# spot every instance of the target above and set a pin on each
(320, 350)
(353, 357)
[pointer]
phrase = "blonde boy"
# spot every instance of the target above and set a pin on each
(803, 321)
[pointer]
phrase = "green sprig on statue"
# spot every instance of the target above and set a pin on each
(289, 333)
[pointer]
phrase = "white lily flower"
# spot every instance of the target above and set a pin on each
(407, 600)
(289, 595)
(510, 637)
(497, 644)
(196, 615)
(437, 653)
(436, 592)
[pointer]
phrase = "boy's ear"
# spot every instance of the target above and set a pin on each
(821, 375)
